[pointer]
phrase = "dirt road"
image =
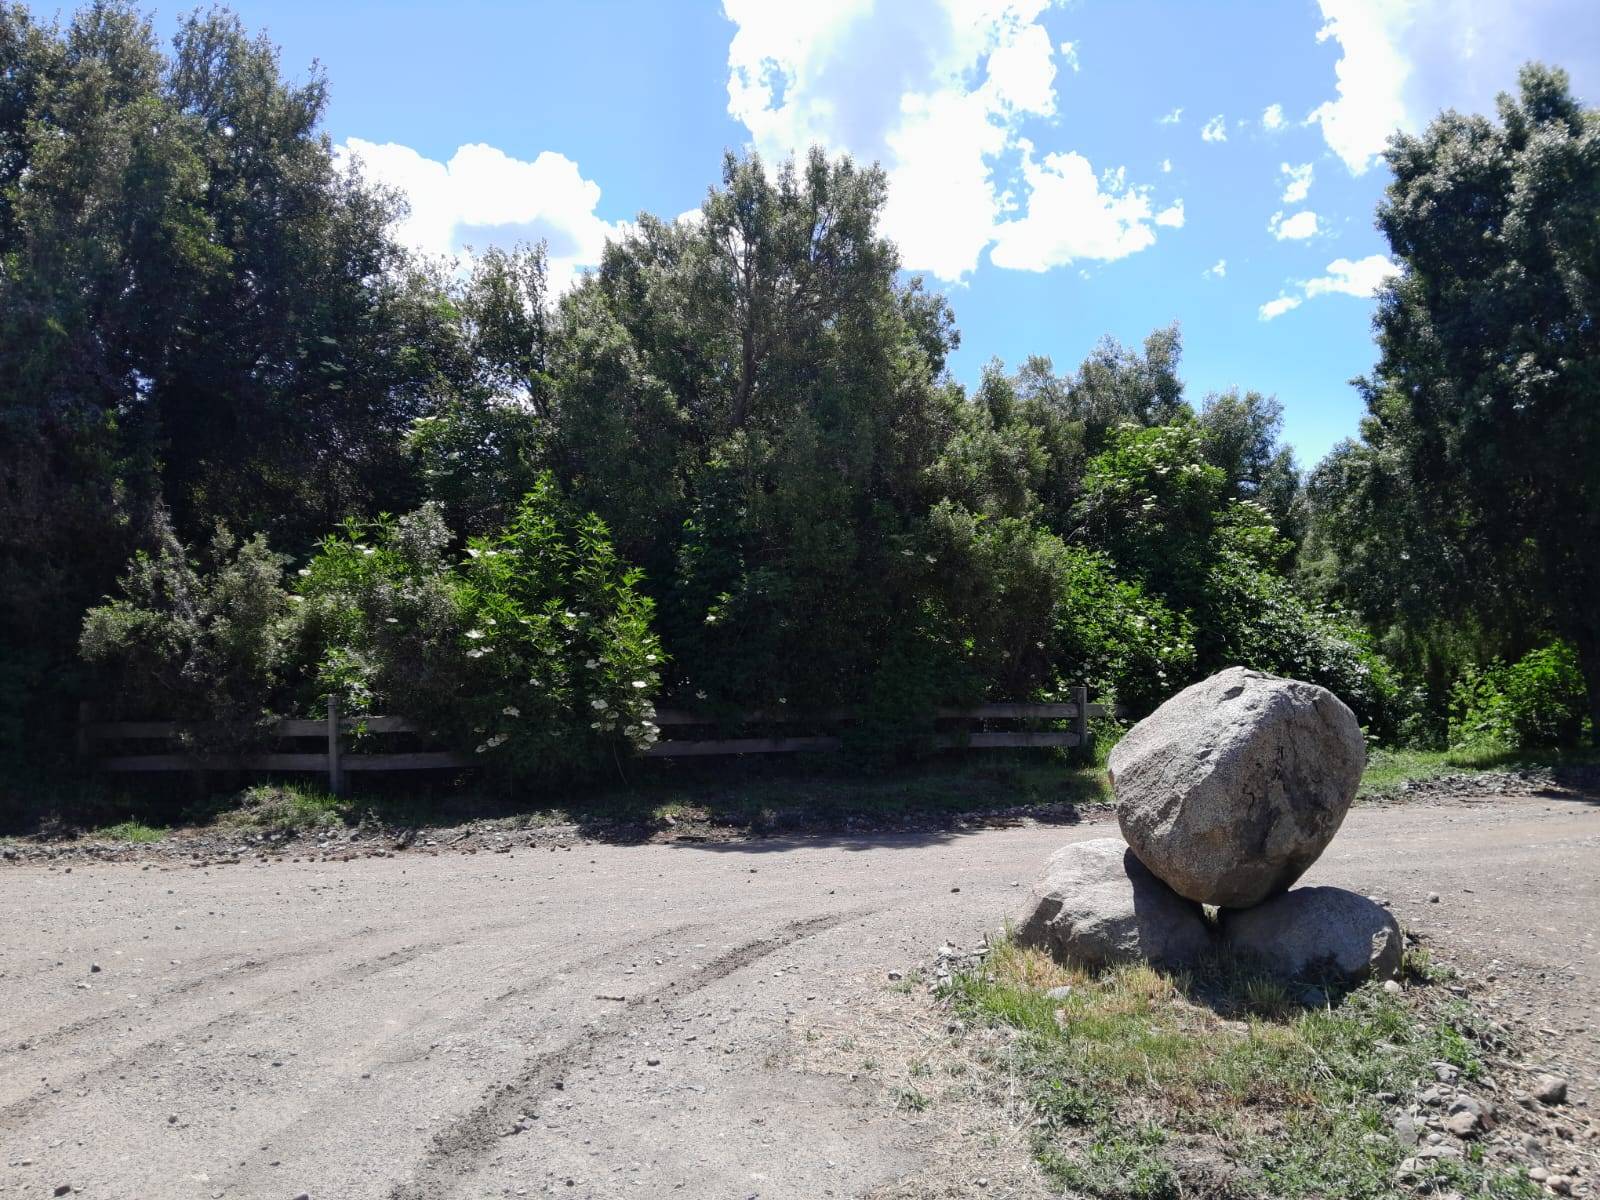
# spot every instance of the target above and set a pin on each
(379, 1028)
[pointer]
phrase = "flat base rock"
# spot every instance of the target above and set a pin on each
(1312, 929)
(1096, 904)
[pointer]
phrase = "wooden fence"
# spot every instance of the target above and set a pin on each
(332, 759)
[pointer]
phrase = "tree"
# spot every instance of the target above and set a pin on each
(753, 401)
(201, 318)
(1241, 433)
(1485, 402)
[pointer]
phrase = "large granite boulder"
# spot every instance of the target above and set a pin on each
(1315, 929)
(1233, 787)
(1096, 904)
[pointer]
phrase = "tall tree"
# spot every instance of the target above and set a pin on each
(1486, 398)
(752, 400)
(198, 311)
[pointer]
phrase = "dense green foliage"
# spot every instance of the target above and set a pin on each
(1478, 466)
(728, 468)
(1537, 701)
(202, 643)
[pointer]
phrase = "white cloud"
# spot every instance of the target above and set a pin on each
(1360, 277)
(1403, 61)
(1301, 225)
(1215, 130)
(1073, 215)
(484, 197)
(1297, 182)
(1272, 118)
(1171, 216)
(1273, 309)
(938, 94)
(1069, 55)
(1172, 118)
(1166, 166)
(1217, 270)
(1371, 77)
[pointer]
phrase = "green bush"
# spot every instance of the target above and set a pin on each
(1031, 616)
(534, 645)
(1538, 701)
(200, 643)
(1254, 618)
(998, 583)
(1127, 645)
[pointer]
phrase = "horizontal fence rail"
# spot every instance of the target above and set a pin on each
(333, 760)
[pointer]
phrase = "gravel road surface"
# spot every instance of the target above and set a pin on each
(604, 1020)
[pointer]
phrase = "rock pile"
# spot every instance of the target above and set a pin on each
(1226, 794)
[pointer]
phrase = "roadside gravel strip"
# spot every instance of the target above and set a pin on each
(608, 1020)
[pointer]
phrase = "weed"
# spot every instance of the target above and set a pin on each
(910, 1100)
(133, 831)
(288, 807)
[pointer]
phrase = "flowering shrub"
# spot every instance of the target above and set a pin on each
(533, 647)
(561, 634)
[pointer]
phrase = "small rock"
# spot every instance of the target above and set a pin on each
(1462, 1124)
(1484, 1117)
(1560, 1185)
(1392, 987)
(1433, 897)
(94, 968)
(652, 1062)
(895, 976)
(1445, 1072)
(1538, 1174)
(63, 1189)
(1059, 993)
(1406, 1131)
(1550, 1089)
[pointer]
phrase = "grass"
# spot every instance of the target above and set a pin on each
(1387, 770)
(1141, 1084)
(287, 808)
(132, 831)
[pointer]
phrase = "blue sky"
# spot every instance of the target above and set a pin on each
(1062, 171)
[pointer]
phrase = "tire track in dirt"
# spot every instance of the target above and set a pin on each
(250, 1168)
(235, 972)
(457, 1151)
(145, 1053)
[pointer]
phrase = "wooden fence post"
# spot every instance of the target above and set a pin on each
(335, 771)
(1080, 723)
